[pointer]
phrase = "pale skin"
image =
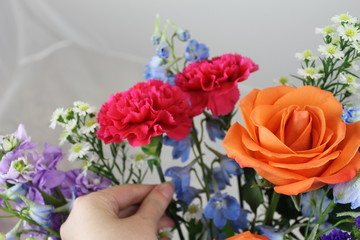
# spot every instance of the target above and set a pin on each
(118, 213)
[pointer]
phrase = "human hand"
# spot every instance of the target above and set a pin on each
(133, 211)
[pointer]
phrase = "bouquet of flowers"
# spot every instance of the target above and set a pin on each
(295, 159)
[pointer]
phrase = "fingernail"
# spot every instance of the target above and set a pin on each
(166, 189)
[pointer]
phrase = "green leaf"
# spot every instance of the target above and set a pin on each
(153, 162)
(313, 233)
(250, 191)
(154, 148)
(51, 200)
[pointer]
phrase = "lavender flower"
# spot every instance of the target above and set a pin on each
(196, 51)
(336, 235)
(181, 149)
(222, 207)
(357, 222)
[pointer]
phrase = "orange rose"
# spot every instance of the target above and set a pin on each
(295, 138)
(247, 236)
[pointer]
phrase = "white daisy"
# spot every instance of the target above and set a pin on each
(331, 51)
(344, 18)
(78, 150)
(63, 136)
(138, 160)
(165, 233)
(194, 212)
(282, 81)
(309, 72)
(305, 55)
(351, 89)
(349, 32)
(59, 112)
(83, 108)
(350, 80)
(89, 126)
(325, 31)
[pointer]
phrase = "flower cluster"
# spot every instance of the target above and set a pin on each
(296, 154)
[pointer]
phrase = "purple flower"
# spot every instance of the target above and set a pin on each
(222, 207)
(196, 51)
(51, 156)
(19, 170)
(181, 149)
(357, 222)
(351, 113)
(348, 192)
(336, 235)
(180, 176)
(214, 128)
(46, 180)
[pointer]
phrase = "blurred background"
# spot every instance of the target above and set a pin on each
(54, 52)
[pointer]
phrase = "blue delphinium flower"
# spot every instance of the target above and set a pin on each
(180, 176)
(270, 232)
(162, 50)
(311, 201)
(222, 207)
(214, 128)
(41, 213)
(181, 149)
(336, 234)
(348, 192)
(13, 192)
(241, 222)
(351, 113)
(221, 177)
(231, 166)
(188, 195)
(196, 51)
(155, 69)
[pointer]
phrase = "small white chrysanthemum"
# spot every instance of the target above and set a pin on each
(78, 150)
(165, 233)
(349, 32)
(309, 72)
(331, 51)
(351, 89)
(138, 160)
(89, 126)
(60, 112)
(344, 18)
(71, 125)
(63, 136)
(282, 81)
(194, 212)
(305, 55)
(350, 80)
(87, 164)
(325, 31)
(83, 108)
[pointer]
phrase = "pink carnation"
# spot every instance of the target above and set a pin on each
(212, 84)
(147, 109)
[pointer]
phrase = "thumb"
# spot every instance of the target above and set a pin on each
(154, 205)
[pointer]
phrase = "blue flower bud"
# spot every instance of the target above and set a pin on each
(183, 35)
(40, 213)
(162, 50)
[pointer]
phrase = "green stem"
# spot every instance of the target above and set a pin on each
(272, 208)
(171, 210)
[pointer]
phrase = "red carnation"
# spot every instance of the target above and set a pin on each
(212, 84)
(147, 109)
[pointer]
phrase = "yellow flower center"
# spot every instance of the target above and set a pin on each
(344, 17)
(350, 32)
(310, 71)
(283, 80)
(77, 147)
(328, 29)
(193, 209)
(307, 54)
(331, 49)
